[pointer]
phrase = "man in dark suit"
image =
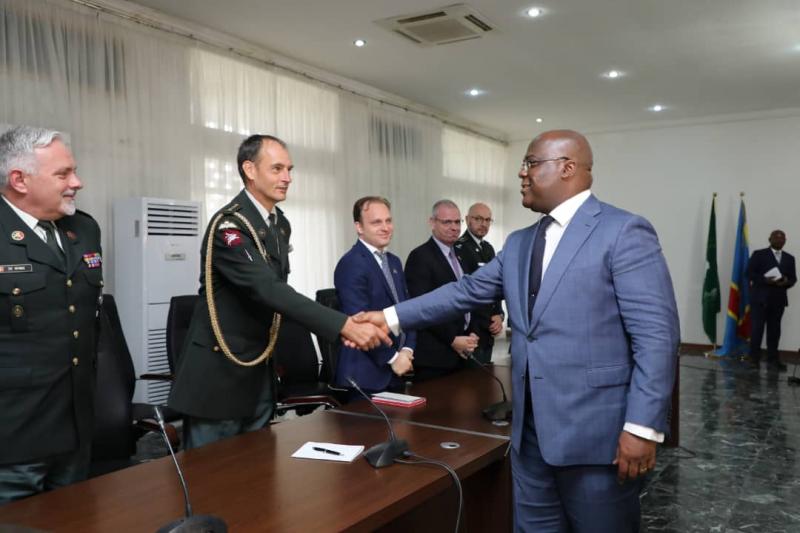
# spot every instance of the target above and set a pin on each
(51, 285)
(441, 349)
(225, 380)
(473, 252)
(367, 278)
(593, 350)
(771, 272)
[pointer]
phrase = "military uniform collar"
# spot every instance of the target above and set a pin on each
(29, 220)
(261, 209)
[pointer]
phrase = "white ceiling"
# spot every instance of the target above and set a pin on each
(699, 58)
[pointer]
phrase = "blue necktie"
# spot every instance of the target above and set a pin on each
(535, 278)
(387, 273)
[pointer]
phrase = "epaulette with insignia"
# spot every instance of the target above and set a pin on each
(234, 207)
(227, 224)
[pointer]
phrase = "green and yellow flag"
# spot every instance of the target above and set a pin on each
(711, 296)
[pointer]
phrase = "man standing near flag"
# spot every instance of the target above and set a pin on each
(771, 272)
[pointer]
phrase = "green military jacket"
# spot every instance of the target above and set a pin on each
(247, 290)
(48, 337)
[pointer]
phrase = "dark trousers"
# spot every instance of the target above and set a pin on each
(26, 479)
(568, 499)
(769, 317)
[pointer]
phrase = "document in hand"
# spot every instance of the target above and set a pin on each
(328, 452)
(773, 273)
(398, 400)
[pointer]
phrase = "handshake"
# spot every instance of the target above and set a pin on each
(366, 330)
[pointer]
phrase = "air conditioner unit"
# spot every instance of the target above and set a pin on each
(445, 25)
(156, 257)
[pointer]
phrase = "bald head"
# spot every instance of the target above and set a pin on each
(559, 166)
(479, 219)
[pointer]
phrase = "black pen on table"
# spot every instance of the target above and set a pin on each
(325, 450)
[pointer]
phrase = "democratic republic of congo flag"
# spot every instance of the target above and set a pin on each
(737, 323)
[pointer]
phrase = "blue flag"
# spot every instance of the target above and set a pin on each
(737, 323)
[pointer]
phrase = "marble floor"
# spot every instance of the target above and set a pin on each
(737, 467)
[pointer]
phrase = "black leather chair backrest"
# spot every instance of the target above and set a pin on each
(296, 359)
(113, 432)
(329, 351)
(181, 309)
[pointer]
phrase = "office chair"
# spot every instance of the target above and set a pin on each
(329, 350)
(179, 316)
(119, 423)
(297, 367)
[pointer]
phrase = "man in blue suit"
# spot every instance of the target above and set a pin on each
(771, 272)
(594, 344)
(366, 278)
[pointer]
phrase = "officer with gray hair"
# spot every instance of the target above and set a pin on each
(51, 281)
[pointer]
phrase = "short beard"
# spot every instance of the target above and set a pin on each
(68, 207)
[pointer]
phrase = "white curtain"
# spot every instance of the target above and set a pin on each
(152, 114)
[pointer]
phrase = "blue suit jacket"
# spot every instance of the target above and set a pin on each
(361, 286)
(601, 346)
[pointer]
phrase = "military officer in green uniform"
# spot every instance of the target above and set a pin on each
(51, 284)
(225, 382)
(473, 252)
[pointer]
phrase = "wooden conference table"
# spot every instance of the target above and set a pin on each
(252, 482)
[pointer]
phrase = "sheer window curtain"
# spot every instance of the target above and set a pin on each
(117, 93)
(152, 114)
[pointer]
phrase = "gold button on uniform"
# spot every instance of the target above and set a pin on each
(75, 333)
(71, 308)
(18, 311)
(102, 284)
(69, 283)
(74, 361)
(17, 291)
(215, 348)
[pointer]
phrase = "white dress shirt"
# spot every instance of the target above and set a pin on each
(33, 223)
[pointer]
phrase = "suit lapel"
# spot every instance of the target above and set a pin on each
(578, 230)
(259, 224)
(373, 265)
(69, 242)
(525, 256)
(444, 265)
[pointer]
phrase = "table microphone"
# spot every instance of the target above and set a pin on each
(385, 453)
(189, 523)
(499, 410)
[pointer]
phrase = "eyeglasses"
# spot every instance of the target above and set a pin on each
(527, 164)
(480, 220)
(456, 222)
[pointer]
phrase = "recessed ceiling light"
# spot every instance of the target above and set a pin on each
(474, 92)
(539, 120)
(360, 43)
(613, 74)
(657, 108)
(534, 12)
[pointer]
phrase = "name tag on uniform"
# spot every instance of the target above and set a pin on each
(93, 260)
(15, 269)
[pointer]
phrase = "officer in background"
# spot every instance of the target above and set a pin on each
(225, 382)
(473, 252)
(51, 283)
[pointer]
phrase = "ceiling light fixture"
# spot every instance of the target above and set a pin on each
(539, 120)
(534, 12)
(474, 92)
(657, 108)
(613, 74)
(360, 43)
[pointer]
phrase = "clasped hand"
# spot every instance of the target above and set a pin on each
(366, 331)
